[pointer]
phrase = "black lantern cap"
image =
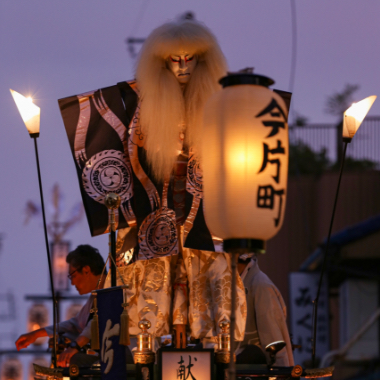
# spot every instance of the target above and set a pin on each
(245, 76)
(242, 246)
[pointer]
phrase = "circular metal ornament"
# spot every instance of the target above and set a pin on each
(194, 183)
(297, 371)
(74, 370)
(105, 172)
(112, 201)
(158, 234)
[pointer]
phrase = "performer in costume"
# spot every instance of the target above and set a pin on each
(141, 140)
(178, 69)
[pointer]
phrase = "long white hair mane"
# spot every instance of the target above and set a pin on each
(165, 108)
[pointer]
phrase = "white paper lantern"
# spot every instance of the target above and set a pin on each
(245, 159)
(60, 251)
(38, 317)
(11, 369)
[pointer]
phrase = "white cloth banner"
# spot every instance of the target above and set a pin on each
(303, 290)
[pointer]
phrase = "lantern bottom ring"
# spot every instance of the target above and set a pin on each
(242, 246)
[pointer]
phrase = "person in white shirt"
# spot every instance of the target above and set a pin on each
(266, 315)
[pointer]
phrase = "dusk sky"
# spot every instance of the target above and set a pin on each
(54, 49)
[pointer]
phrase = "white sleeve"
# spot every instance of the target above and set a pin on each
(75, 325)
(271, 321)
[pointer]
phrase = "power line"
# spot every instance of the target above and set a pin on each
(139, 17)
(293, 63)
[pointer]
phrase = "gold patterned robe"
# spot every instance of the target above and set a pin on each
(149, 293)
(202, 295)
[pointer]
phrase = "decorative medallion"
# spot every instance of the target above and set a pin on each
(194, 178)
(105, 172)
(158, 234)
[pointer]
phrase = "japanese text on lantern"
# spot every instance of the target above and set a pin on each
(274, 118)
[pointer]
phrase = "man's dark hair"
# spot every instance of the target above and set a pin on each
(86, 255)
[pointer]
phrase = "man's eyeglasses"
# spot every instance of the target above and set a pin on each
(70, 275)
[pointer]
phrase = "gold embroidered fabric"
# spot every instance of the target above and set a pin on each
(149, 293)
(202, 293)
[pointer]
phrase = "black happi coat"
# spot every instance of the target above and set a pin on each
(107, 146)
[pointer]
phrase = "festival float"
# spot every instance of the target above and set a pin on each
(185, 177)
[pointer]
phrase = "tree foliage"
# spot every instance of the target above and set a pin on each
(304, 161)
(338, 102)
